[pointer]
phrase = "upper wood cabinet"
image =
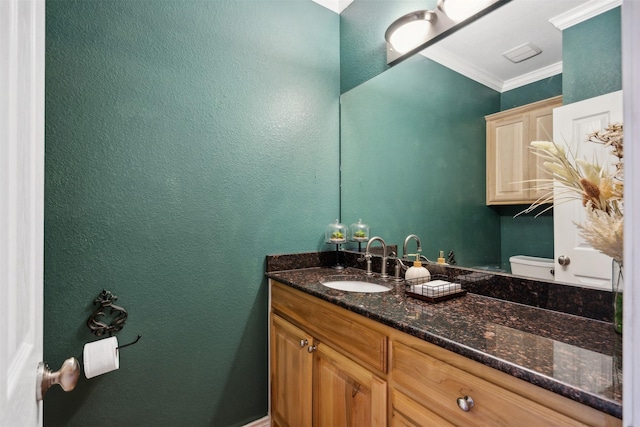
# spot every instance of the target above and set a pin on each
(512, 168)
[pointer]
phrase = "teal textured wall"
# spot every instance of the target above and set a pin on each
(592, 57)
(185, 140)
(362, 45)
(524, 234)
(532, 92)
(412, 151)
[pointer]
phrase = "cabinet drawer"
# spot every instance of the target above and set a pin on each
(408, 413)
(365, 341)
(438, 385)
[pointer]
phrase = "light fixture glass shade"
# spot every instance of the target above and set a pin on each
(409, 35)
(410, 30)
(459, 10)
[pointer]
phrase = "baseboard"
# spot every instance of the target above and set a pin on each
(262, 422)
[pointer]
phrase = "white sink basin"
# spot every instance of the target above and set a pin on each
(354, 284)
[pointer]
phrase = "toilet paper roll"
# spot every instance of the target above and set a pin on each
(100, 357)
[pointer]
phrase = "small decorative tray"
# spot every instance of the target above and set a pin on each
(439, 288)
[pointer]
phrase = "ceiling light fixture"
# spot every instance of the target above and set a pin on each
(417, 30)
(410, 30)
(459, 10)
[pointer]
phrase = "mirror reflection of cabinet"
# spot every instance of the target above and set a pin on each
(510, 164)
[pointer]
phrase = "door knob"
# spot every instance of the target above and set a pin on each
(563, 260)
(66, 377)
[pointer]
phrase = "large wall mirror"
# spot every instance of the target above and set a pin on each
(413, 138)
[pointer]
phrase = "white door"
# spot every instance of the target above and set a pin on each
(21, 208)
(571, 124)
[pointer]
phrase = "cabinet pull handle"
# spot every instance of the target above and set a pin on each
(303, 343)
(465, 403)
(312, 348)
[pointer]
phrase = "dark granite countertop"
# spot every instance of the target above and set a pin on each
(573, 356)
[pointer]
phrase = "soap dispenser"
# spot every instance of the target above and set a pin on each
(417, 274)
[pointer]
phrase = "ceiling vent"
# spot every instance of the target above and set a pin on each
(522, 52)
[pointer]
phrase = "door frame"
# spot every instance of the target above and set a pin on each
(22, 92)
(631, 94)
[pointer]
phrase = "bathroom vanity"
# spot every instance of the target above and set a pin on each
(349, 358)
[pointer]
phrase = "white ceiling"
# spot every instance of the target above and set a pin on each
(476, 50)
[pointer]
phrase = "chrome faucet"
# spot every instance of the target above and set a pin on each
(367, 255)
(399, 268)
(406, 242)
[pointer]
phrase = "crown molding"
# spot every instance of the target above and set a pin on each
(343, 4)
(471, 71)
(582, 13)
(336, 6)
(534, 76)
(463, 67)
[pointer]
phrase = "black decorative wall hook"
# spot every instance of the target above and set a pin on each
(117, 313)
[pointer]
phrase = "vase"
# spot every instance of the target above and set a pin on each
(617, 284)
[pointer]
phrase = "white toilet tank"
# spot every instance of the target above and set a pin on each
(531, 266)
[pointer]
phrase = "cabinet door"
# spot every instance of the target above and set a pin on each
(541, 129)
(507, 146)
(291, 375)
(345, 393)
(513, 171)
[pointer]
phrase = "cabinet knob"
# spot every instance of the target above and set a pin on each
(465, 403)
(303, 343)
(312, 348)
(564, 260)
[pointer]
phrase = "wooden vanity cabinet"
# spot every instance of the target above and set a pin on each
(426, 381)
(328, 369)
(438, 386)
(332, 367)
(406, 412)
(291, 374)
(511, 166)
(345, 393)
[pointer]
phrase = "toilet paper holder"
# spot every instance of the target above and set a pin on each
(119, 315)
(98, 327)
(131, 343)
